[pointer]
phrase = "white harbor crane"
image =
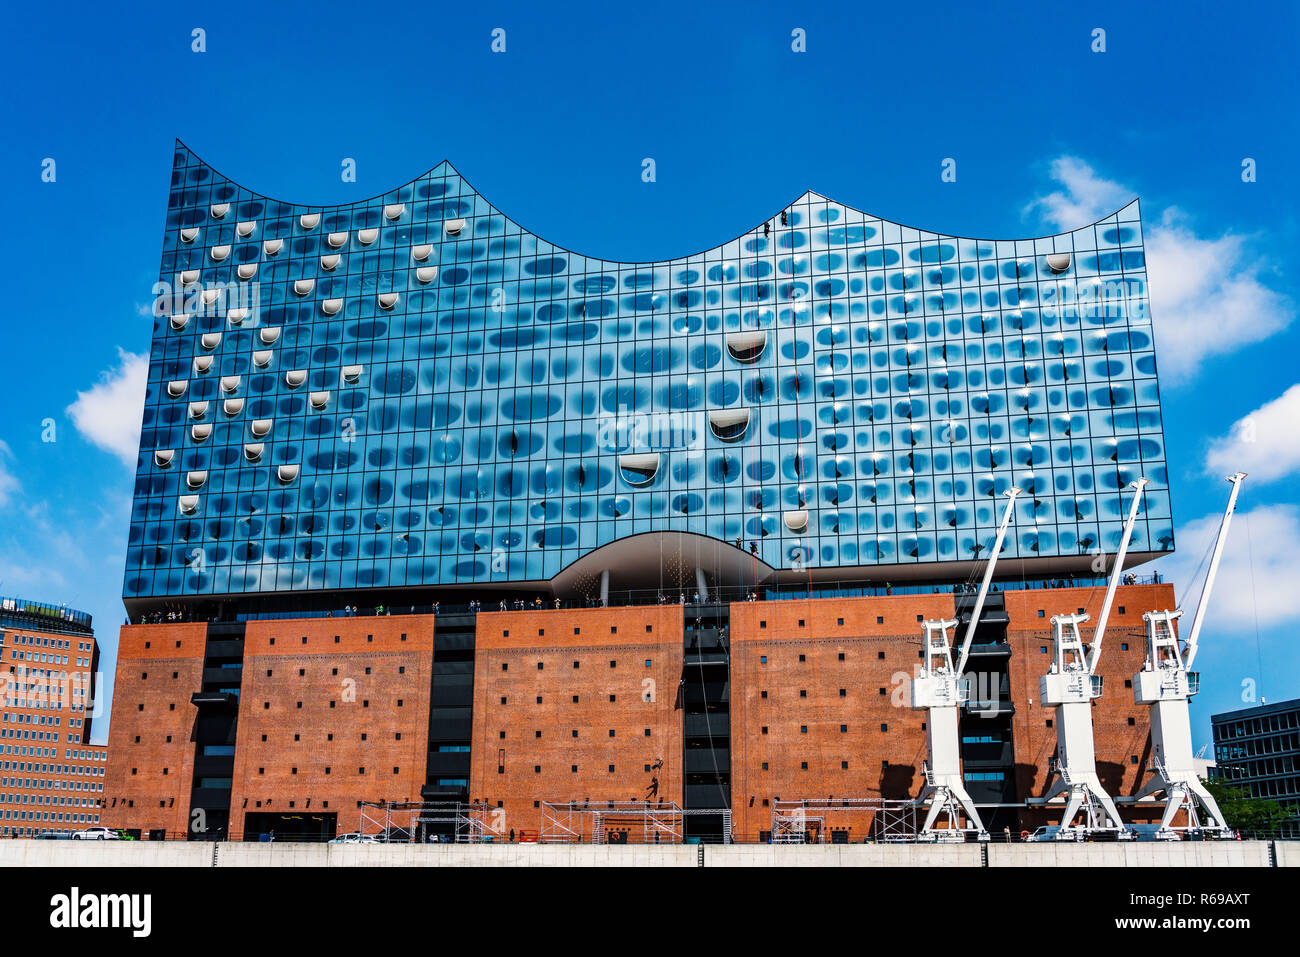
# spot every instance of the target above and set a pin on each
(939, 690)
(1069, 687)
(1166, 683)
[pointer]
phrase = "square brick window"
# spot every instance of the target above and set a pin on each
(1049, 722)
(841, 656)
(803, 765)
(539, 666)
(575, 699)
(575, 732)
(844, 692)
(613, 698)
(803, 692)
(762, 694)
(503, 699)
(501, 735)
(764, 765)
(575, 664)
(505, 666)
(762, 624)
(844, 765)
(880, 655)
(541, 632)
(611, 767)
(649, 628)
(764, 731)
(884, 727)
(613, 629)
(803, 658)
(880, 619)
(577, 631)
(803, 729)
(1132, 721)
(844, 729)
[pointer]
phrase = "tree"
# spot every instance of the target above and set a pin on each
(1246, 813)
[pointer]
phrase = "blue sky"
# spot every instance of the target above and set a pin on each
(1046, 133)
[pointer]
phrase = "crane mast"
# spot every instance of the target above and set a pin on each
(1166, 684)
(1069, 687)
(938, 689)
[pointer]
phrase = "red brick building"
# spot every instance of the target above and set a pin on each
(295, 725)
(51, 777)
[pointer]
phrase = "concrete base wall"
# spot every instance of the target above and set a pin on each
(180, 854)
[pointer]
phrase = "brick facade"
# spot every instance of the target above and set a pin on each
(333, 711)
(151, 763)
(603, 718)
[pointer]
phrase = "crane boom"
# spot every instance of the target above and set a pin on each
(1011, 494)
(1104, 615)
(1235, 478)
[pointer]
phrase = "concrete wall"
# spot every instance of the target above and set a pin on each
(180, 854)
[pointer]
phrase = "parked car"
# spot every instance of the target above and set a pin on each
(354, 837)
(1152, 832)
(96, 834)
(55, 836)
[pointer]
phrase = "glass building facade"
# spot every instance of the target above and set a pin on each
(415, 391)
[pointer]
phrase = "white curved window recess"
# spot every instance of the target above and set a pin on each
(262, 358)
(746, 346)
(179, 321)
(426, 274)
(176, 388)
(189, 277)
(219, 253)
(189, 234)
(295, 378)
(233, 406)
(287, 473)
(387, 300)
(639, 469)
(253, 451)
(219, 210)
(198, 410)
(200, 432)
(230, 383)
(196, 479)
(421, 253)
(309, 220)
(729, 425)
(261, 427)
(367, 236)
(210, 340)
(454, 227)
(330, 263)
(1059, 262)
(351, 373)
(303, 287)
(188, 504)
(163, 457)
(272, 246)
(247, 270)
(331, 307)
(336, 239)
(268, 334)
(393, 211)
(319, 400)
(245, 229)
(236, 316)
(797, 521)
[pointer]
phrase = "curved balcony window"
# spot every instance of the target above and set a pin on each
(261, 427)
(639, 469)
(202, 364)
(331, 307)
(319, 400)
(746, 346)
(262, 358)
(287, 473)
(163, 457)
(309, 220)
(253, 451)
(233, 406)
(176, 388)
(426, 274)
(268, 334)
(200, 432)
(351, 373)
(797, 521)
(336, 239)
(245, 229)
(246, 270)
(421, 253)
(387, 300)
(189, 234)
(188, 504)
(219, 253)
(454, 227)
(303, 287)
(1058, 262)
(219, 210)
(330, 263)
(367, 236)
(196, 479)
(210, 340)
(393, 211)
(295, 378)
(272, 246)
(729, 425)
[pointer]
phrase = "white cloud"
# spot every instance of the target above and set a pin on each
(108, 414)
(1086, 197)
(1208, 295)
(1262, 553)
(1264, 443)
(8, 481)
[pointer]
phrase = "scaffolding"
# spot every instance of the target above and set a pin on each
(621, 822)
(423, 821)
(814, 820)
